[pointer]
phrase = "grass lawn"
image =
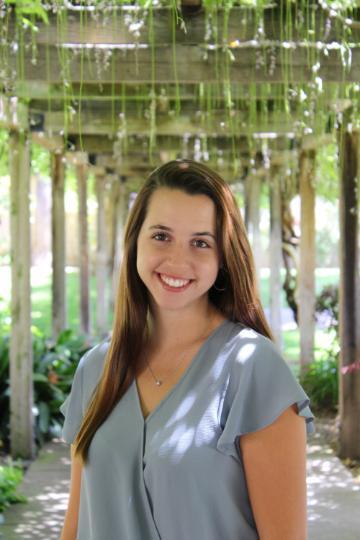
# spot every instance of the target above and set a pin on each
(41, 303)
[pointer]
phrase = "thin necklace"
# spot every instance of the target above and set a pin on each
(158, 381)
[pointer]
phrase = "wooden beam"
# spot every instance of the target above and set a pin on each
(123, 26)
(309, 142)
(194, 64)
(58, 244)
(138, 144)
(102, 123)
(44, 95)
(21, 362)
(306, 298)
(349, 372)
(53, 143)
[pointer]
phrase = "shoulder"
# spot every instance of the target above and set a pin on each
(252, 357)
(92, 362)
(248, 346)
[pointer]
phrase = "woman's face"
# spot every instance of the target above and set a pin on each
(177, 252)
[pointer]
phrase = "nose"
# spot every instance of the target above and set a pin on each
(178, 255)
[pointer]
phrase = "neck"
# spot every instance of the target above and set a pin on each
(170, 328)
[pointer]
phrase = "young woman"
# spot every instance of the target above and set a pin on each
(188, 424)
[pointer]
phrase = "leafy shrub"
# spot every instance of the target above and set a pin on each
(10, 477)
(54, 364)
(320, 380)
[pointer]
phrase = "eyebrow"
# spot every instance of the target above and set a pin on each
(164, 228)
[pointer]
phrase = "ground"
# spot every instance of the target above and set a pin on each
(327, 426)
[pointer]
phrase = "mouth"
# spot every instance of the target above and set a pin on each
(174, 283)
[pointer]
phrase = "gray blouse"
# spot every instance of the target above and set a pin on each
(179, 474)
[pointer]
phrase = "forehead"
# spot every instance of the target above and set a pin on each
(173, 206)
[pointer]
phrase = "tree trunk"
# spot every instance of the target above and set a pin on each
(81, 170)
(349, 372)
(275, 255)
(306, 301)
(58, 245)
(21, 365)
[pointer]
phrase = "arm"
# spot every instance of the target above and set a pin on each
(69, 530)
(275, 468)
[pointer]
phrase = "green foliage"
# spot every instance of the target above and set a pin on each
(321, 383)
(10, 478)
(54, 366)
(327, 172)
(29, 8)
(40, 160)
(320, 380)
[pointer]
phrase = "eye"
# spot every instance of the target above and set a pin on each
(201, 244)
(161, 237)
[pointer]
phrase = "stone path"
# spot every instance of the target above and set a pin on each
(333, 496)
(46, 484)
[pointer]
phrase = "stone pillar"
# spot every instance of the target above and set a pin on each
(306, 298)
(252, 216)
(21, 363)
(275, 254)
(102, 306)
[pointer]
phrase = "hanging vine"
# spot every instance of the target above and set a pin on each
(305, 28)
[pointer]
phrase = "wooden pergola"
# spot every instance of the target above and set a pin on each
(128, 88)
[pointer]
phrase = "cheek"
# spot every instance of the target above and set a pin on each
(210, 267)
(146, 256)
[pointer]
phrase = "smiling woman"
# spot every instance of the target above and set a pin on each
(173, 258)
(188, 424)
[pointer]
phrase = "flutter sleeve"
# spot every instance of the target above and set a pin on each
(261, 387)
(72, 407)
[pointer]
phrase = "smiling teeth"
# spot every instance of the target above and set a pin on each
(174, 282)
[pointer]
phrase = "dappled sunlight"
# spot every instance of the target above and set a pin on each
(45, 515)
(183, 409)
(246, 351)
(333, 497)
(46, 486)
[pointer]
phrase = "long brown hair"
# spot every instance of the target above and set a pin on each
(235, 296)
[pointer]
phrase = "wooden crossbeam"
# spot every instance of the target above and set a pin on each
(194, 64)
(98, 123)
(124, 26)
(48, 96)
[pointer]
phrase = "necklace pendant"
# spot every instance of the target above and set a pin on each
(158, 382)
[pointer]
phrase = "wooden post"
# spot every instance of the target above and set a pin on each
(252, 216)
(81, 173)
(120, 216)
(349, 372)
(275, 254)
(21, 365)
(102, 307)
(58, 244)
(306, 298)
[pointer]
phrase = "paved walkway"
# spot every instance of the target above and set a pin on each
(333, 496)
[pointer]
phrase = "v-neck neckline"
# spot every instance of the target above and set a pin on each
(178, 383)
